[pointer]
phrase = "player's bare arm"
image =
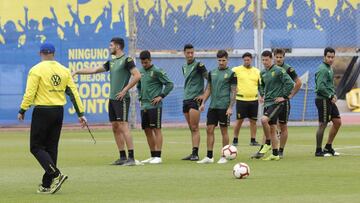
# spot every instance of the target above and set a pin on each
(87, 71)
(206, 95)
(297, 86)
(232, 99)
(200, 98)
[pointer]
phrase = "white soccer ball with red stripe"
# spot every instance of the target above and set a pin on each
(241, 170)
(229, 152)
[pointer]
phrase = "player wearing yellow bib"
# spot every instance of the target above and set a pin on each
(248, 78)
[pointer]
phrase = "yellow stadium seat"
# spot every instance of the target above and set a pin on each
(353, 100)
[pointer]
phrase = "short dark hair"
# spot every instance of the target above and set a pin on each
(221, 54)
(247, 54)
(279, 51)
(328, 50)
(119, 41)
(188, 46)
(266, 53)
(145, 55)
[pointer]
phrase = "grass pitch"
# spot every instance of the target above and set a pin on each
(299, 177)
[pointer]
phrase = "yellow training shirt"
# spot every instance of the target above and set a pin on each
(247, 83)
(47, 83)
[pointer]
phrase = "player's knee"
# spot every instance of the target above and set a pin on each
(337, 123)
(239, 121)
(283, 126)
(157, 131)
(264, 120)
(209, 131)
(322, 125)
(224, 132)
(194, 128)
(115, 126)
(124, 129)
(252, 121)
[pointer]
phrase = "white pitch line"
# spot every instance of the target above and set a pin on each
(175, 142)
(348, 147)
(343, 154)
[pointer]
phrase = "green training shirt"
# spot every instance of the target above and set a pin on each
(194, 74)
(290, 71)
(220, 81)
(152, 85)
(275, 82)
(119, 68)
(324, 83)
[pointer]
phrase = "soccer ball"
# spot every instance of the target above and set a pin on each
(229, 152)
(241, 170)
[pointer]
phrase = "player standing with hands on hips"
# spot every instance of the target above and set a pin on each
(279, 55)
(47, 83)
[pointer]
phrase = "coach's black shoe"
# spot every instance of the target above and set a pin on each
(119, 162)
(187, 158)
(43, 190)
(130, 162)
(319, 154)
(257, 155)
(254, 143)
(194, 157)
(57, 182)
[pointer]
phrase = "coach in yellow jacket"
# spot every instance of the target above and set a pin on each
(46, 84)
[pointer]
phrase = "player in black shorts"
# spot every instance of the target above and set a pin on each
(121, 68)
(279, 55)
(222, 90)
(194, 73)
(247, 104)
(325, 103)
(275, 88)
(152, 88)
